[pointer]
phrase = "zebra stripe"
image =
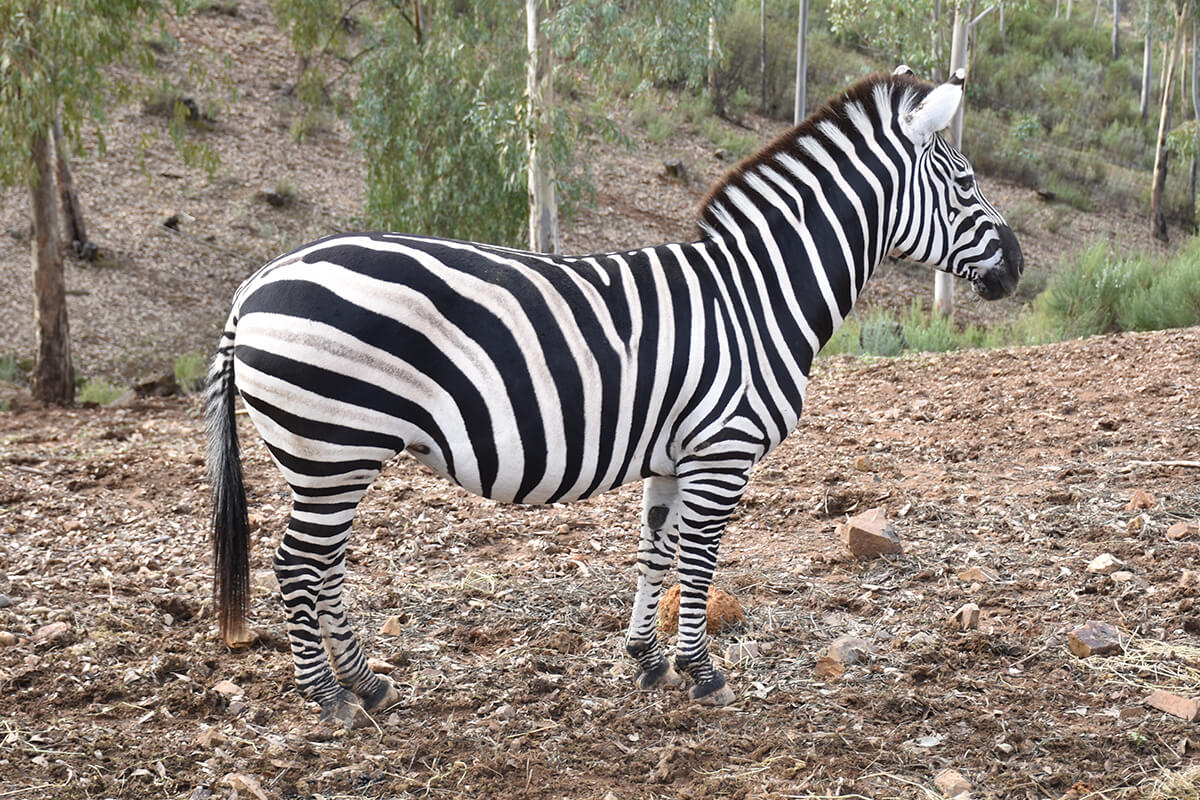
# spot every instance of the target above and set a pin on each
(531, 378)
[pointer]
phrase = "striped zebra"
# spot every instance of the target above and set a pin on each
(532, 378)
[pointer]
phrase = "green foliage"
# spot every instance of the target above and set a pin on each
(894, 33)
(622, 47)
(51, 58)
(191, 372)
(9, 370)
(1097, 293)
(441, 124)
(100, 391)
(926, 332)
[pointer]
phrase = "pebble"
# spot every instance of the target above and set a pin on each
(1105, 564)
(54, 632)
(967, 617)
(849, 650)
(869, 534)
(951, 783)
(5, 601)
(1185, 708)
(1095, 638)
(7, 639)
(504, 712)
(741, 653)
(227, 688)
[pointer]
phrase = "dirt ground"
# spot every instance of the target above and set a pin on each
(1021, 462)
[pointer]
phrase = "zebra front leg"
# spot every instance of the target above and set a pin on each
(656, 553)
(708, 497)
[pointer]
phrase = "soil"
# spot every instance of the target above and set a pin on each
(1020, 462)
(1024, 463)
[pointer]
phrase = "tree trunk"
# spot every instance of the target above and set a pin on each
(799, 111)
(762, 51)
(943, 282)
(714, 88)
(1147, 59)
(1158, 220)
(1195, 92)
(72, 209)
(543, 204)
(53, 380)
(1116, 36)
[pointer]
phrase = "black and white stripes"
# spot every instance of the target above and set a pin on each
(532, 379)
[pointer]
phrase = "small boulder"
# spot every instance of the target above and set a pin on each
(1095, 638)
(723, 610)
(869, 534)
(849, 650)
(1105, 564)
(967, 617)
(1183, 530)
(951, 783)
(392, 626)
(1186, 708)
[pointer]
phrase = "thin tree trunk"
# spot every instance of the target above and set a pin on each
(799, 111)
(943, 282)
(714, 89)
(72, 209)
(53, 380)
(1158, 220)
(1147, 59)
(1003, 36)
(1195, 92)
(1069, 4)
(762, 51)
(543, 204)
(1116, 35)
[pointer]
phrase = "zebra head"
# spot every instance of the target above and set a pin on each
(951, 226)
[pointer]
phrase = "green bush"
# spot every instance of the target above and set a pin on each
(9, 369)
(926, 332)
(191, 372)
(100, 391)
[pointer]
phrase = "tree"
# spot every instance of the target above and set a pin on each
(543, 204)
(441, 103)
(1158, 219)
(52, 54)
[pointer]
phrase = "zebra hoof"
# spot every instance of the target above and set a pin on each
(663, 675)
(384, 696)
(346, 711)
(718, 697)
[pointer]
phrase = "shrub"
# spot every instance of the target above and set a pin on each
(191, 372)
(926, 332)
(100, 391)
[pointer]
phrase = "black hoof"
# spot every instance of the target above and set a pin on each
(713, 692)
(345, 709)
(384, 695)
(663, 674)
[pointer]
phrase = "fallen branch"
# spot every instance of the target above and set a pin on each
(1189, 464)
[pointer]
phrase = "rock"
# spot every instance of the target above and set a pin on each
(379, 666)
(241, 782)
(863, 464)
(1141, 500)
(227, 688)
(869, 534)
(5, 601)
(951, 783)
(210, 737)
(1105, 564)
(7, 638)
(722, 610)
(849, 650)
(967, 617)
(1186, 708)
(392, 626)
(674, 169)
(54, 632)
(829, 668)
(1122, 576)
(742, 653)
(504, 712)
(1095, 638)
(1182, 530)
(978, 575)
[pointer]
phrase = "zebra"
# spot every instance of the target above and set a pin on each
(535, 378)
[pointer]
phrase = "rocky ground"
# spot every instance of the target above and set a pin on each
(1005, 474)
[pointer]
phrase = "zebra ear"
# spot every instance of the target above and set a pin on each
(904, 69)
(936, 110)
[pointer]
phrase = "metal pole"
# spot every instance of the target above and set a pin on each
(801, 64)
(943, 282)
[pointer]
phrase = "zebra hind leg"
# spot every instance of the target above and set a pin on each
(656, 553)
(330, 667)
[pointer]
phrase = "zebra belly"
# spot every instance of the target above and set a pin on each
(320, 393)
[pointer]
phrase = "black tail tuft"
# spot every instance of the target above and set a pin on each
(230, 521)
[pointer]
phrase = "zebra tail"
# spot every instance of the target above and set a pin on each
(230, 521)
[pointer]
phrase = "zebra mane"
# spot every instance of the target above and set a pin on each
(902, 91)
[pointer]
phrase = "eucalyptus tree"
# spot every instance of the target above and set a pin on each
(52, 59)
(439, 100)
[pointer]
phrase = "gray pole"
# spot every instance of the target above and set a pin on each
(801, 64)
(943, 282)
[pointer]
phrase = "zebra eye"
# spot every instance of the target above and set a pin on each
(965, 182)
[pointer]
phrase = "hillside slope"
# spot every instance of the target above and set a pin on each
(160, 294)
